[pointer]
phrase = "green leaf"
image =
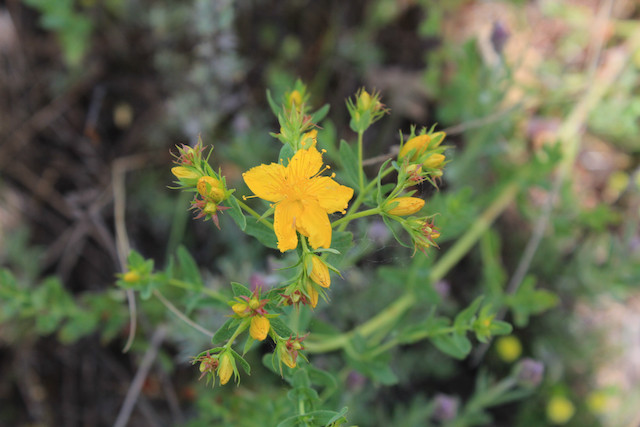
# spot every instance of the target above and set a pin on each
(188, 267)
(239, 290)
(264, 234)
(349, 164)
(320, 114)
(280, 327)
(245, 365)
(247, 345)
(236, 213)
(225, 332)
(499, 327)
(275, 108)
(395, 233)
(465, 318)
(341, 241)
(455, 345)
(286, 153)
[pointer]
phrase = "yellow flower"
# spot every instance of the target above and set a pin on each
(509, 348)
(210, 187)
(560, 410)
(320, 272)
(259, 327)
(418, 143)
(225, 368)
(303, 199)
(405, 205)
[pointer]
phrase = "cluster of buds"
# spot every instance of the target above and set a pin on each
(295, 118)
(253, 307)
(194, 174)
(366, 110)
(222, 365)
(314, 279)
(288, 350)
(421, 157)
(423, 233)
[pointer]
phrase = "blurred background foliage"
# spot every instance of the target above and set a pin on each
(540, 97)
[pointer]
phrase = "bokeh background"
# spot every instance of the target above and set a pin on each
(94, 94)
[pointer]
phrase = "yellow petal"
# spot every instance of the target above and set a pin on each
(259, 327)
(266, 181)
(303, 165)
(284, 224)
(331, 196)
(314, 223)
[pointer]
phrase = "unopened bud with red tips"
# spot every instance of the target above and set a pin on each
(414, 148)
(403, 206)
(288, 350)
(319, 272)
(211, 188)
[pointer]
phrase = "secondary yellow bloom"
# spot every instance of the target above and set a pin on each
(303, 199)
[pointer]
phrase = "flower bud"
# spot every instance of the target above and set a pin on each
(211, 188)
(225, 368)
(320, 272)
(182, 172)
(241, 309)
(259, 327)
(309, 139)
(131, 277)
(405, 205)
(295, 99)
(418, 144)
(433, 161)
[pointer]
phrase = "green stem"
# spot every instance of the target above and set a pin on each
(322, 344)
(254, 214)
(180, 314)
(190, 287)
(356, 204)
(239, 330)
(360, 168)
(346, 219)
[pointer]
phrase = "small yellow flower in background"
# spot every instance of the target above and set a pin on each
(560, 410)
(320, 272)
(302, 198)
(508, 348)
(418, 143)
(182, 172)
(209, 187)
(433, 161)
(599, 402)
(405, 205)
(225, 368)
(259, 327)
